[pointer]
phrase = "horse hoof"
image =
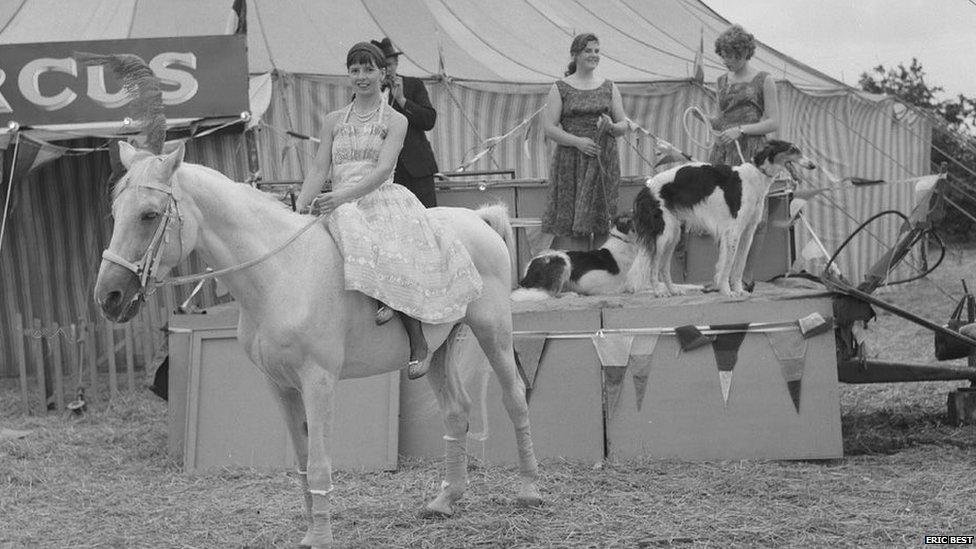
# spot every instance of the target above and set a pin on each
(529, 496)
(529, 501)
(436, 511)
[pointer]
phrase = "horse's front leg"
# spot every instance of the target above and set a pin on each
(293, 409)
(318, 396)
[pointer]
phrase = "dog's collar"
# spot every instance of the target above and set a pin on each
(764, 172)
(614, 234)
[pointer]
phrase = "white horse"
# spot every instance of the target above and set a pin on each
(297, 321)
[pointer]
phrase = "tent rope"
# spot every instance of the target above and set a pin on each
(10, 186)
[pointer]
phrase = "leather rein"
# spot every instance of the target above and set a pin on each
(145, 267)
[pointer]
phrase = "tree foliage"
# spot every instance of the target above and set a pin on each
(953, 137)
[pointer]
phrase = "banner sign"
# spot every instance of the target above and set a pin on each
(201, 76)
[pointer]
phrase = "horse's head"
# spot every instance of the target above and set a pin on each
(149, 234)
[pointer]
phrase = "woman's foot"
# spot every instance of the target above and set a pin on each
(417, 368)
(384, 314)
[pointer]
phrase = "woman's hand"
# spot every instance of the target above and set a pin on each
(729, 135)
(604, 124)
(587, 146)
(303, 204)
(327, 202)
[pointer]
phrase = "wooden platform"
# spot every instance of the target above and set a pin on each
(661, 401)
(222, 413)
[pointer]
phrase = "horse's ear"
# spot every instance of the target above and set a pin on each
(171, 161)
(127, 153)
(170, 146)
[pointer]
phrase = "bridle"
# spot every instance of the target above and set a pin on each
(148, 264)
(151, 259)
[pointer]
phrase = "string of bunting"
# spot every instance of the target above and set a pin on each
(488, 145)
(630, 350)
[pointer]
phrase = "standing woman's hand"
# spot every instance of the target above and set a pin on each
(729, 135)
(604, 124)
(587, 146)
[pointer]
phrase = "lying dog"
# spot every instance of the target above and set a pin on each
(603, 271)
(726, 202)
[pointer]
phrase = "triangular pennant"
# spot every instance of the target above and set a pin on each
(726, 346)
(613, 383)
(790, 349)
(613, 349)
(528, 352)
(726, 349)
(690, 337)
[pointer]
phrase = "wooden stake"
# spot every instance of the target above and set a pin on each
(55, 342)
(21, 362)
(130, 358)
(92, 353)
(147, 341)
(37, 352)
(113, 379)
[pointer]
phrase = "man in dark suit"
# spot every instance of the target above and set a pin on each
(407, 95)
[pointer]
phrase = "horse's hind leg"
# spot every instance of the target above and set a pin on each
(492, 325)
(455, 405)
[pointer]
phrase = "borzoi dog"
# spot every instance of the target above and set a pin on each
(726, 202)
(603, 271)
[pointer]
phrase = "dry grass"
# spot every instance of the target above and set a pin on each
(106, 481)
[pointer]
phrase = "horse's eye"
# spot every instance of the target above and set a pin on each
(149, 216)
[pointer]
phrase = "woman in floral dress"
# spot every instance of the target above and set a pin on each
(391, 250)
(584, 116)
(747, 102)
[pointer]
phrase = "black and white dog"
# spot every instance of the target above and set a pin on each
(726, 202)
(593, 272)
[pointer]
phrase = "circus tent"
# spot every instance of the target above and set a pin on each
(488, 65)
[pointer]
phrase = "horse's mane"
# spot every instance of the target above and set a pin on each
(140, 166)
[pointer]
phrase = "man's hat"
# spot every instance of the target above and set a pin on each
(386, 47)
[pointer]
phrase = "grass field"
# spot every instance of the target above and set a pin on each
(106, 481)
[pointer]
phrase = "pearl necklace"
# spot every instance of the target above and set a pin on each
(365, 117)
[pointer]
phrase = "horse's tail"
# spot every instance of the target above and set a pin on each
(496, 216)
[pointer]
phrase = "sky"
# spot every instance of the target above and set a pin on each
(844, 38)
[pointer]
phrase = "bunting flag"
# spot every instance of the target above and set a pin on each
(814, 324)
(613, 351)
(528, 352)
(699, 64)
(26, 155)
(726, 348)
(790, 349)
(690, 338)
(640, 364)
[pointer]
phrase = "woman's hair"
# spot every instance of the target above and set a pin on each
(736, 41)
(578, 45)
(364, 53)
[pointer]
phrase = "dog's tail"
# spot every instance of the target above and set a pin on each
(648, 219)
(496, 216)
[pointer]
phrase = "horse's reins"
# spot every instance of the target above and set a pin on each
(153, 256)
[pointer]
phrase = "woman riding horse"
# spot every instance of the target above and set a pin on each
(391, 250)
